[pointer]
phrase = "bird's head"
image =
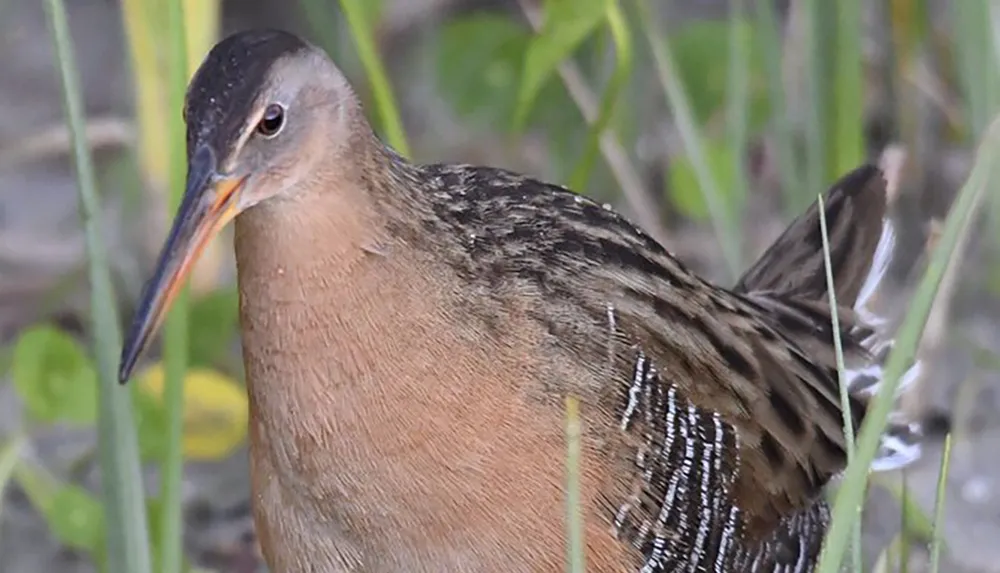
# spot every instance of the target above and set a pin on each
(261, 110)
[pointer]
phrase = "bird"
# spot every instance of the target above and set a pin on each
(411, 333)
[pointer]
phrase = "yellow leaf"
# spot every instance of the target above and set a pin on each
(215, 410)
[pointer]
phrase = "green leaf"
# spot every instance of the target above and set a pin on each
(567, 24)
(479, 61)
(77, 519)
(74, 515)
(684, 190)
(213, 322)
(478, 65)
(10, 453)
(702, 50)
(215, 410)
(54, 377)
(618, 28)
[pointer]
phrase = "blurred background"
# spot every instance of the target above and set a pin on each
(717, 121)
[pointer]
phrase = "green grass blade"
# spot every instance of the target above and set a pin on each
(9, 456)
(722, 217)
(320, 18)
(121, 477)
(852, 490)
(917, 525)
(816, 89)
(385, 101)
(848, 150)
(175, 336)
(992, 76)
(575, 546)
(838, 347)
(566, 25)
(618, 26)
(937, 538)
(975, 66)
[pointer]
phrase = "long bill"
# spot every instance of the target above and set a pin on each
(209, 203)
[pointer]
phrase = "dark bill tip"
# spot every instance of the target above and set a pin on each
(209, 203)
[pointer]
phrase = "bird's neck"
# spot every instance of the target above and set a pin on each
(332, 300)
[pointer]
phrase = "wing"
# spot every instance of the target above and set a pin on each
(731, 428)
(725, 405)
(714, 353)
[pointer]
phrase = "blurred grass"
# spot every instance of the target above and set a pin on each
(576, 544)
(123, 497)
(387, 112)
(850, 496)
(848, 149)
(175, 342)
(815, 33)
(937, 542)
(167, 39)
(723, 216)
(9, 454)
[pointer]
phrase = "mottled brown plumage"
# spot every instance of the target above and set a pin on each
(410, 333)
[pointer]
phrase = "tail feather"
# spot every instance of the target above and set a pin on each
(862, 246)
(881, 260)
(900, 444)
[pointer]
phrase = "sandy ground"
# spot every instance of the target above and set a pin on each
(40, 242)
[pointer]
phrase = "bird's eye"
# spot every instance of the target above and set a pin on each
(272, 122)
